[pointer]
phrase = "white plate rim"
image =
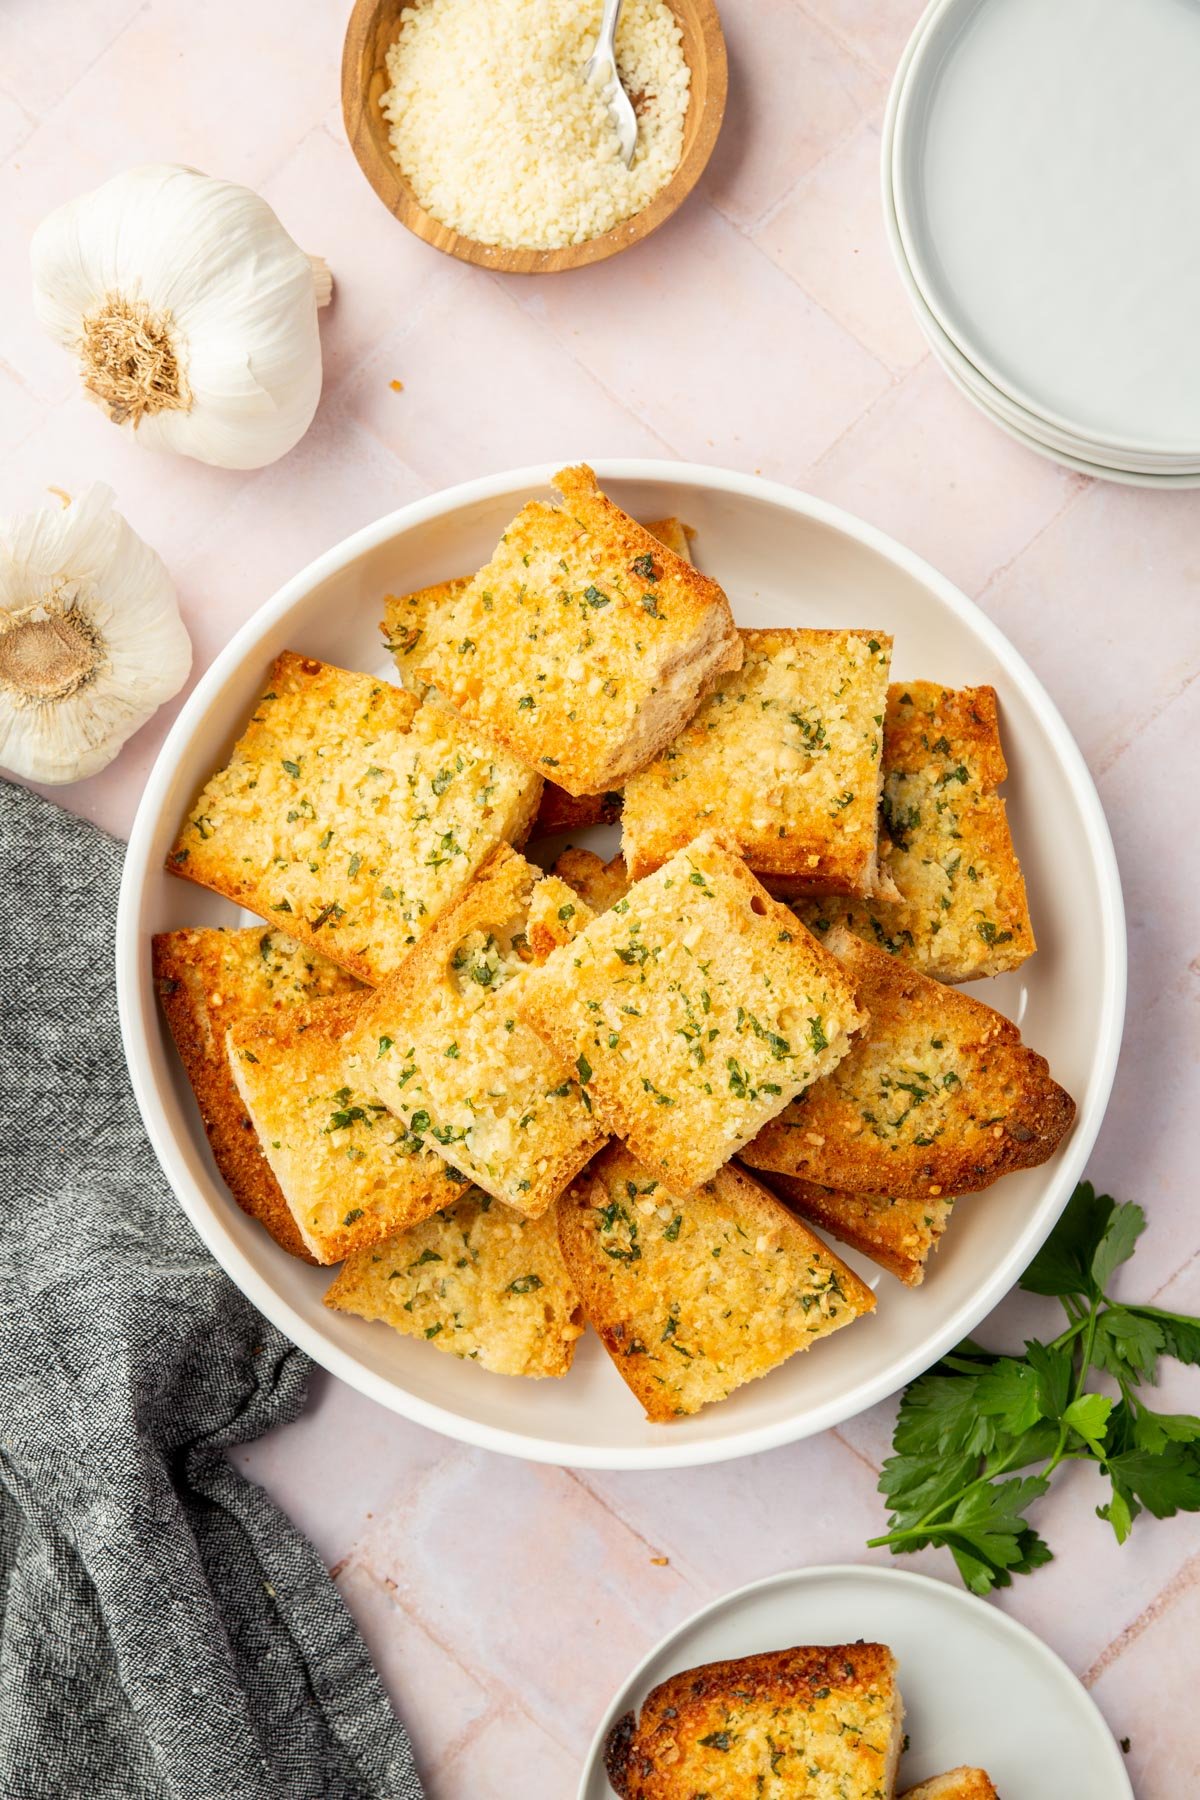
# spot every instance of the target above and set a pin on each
(1023, 427)
(905, 94)
(1003, 1623)
(135, 1029)
(1098, 471)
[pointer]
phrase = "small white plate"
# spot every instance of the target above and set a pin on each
(785, 559)
(1047, 184)
(1039, 444)
(1128, 467)
(978, 1688)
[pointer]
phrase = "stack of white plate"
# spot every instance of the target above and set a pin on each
(1041, 188)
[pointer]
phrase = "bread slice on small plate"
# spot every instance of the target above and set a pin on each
(957, 1784)
(350, 1173)
(478, 1280)
(599, 884)
(693, 1011)
(444, 1047)
(695, 1296)
(207, 980)
(939, 1096)
(962, 911)
(584, 643)
(784, 757)
(898, 1234)
(823, 1720)
(350, 814)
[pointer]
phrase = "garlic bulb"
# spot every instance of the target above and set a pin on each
(191, 311)
(91, 641)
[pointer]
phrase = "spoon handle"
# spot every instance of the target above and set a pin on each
(606, 37)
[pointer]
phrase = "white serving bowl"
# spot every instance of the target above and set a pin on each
(785, 559)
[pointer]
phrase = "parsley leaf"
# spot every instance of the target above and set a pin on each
(979, 1437)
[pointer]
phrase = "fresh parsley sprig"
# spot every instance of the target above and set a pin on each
(979, 1437)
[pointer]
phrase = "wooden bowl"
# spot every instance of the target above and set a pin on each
(373, 29)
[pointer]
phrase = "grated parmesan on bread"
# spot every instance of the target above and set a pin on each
(938, 1097)
(599, 884)
(350, 814)
(784, 756)
(898, 1234)
(349, 1172)
(820, 1722)
(584, 643)
(962, 910)
(477, 1280)
(208, 980)
(693, 1011)
(405, 620)
(958, 1784)
(443, 1045)
(694, 1296)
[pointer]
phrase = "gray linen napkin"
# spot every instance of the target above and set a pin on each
(165, 1633)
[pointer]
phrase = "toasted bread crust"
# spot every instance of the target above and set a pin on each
(939, 1097)
(443, 1042)
(560, 811)
(960, 909)
(596, 682)
(476, 1280)
(599, 884)
(696, 1008)
(208, 979)
(898, 1234)
(351, 814)
(957, 1784)
(773, 760)
(694, 1297)
(349, 1173)
(752, 1727)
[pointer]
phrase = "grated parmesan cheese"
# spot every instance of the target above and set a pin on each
(501, 137)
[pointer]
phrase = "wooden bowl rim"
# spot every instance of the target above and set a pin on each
(391, 185)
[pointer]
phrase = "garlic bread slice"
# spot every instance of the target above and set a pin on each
(350, 814)
(820, 1722)
(350, 1173)
(476, 1279)
(692, 1011)
(695, 1296)
(207, 980)
(961, 910)
(939, 1096)
(583, 644)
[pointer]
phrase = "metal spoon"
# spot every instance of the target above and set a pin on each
(601, 67)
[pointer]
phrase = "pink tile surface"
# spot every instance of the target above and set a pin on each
(763, 329)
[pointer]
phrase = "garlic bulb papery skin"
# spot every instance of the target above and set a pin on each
(91, 641)
(191, 312)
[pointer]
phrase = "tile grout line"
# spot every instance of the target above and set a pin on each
(60, 100)
(592, 375)
(683, 1569)
(842, 44)
(1184, 1578)
(862, 1457)
(894, 379)
(1105, 765)
(1183, 1267)
(502, 1698)
(390, 1599)
(1078, 486)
